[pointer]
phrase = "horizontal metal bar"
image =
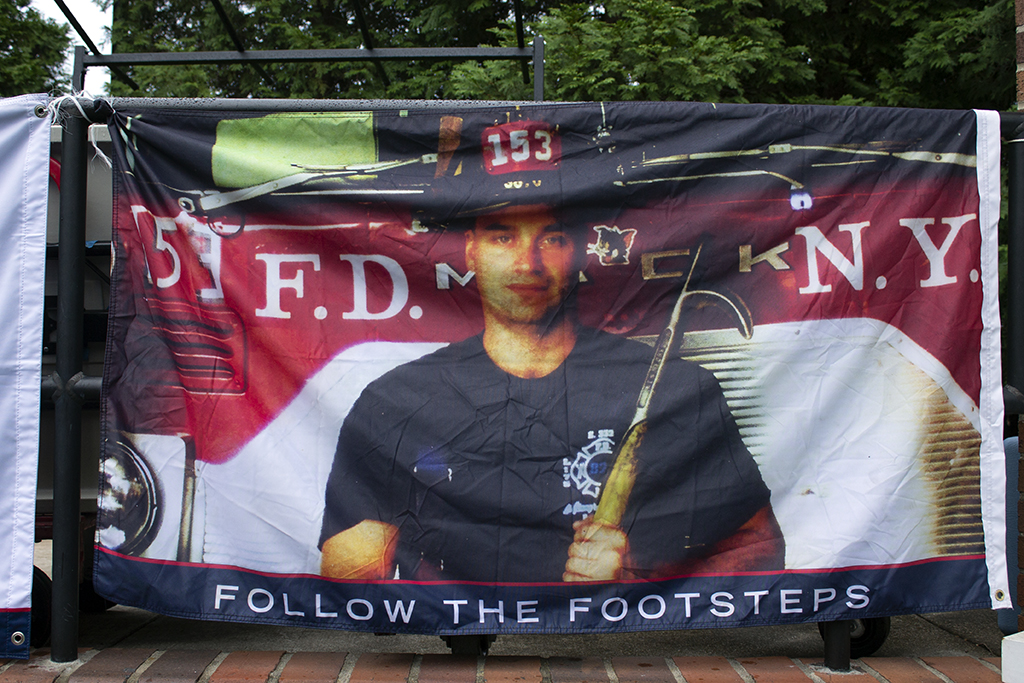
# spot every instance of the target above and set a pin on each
(281, 105)
(1009, 121)
(283, 56)
(1011, 124)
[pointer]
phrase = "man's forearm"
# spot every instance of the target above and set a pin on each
(758, 545)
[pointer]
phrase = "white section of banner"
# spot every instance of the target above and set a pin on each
(993, 467)
(24, 182)
(875, 500)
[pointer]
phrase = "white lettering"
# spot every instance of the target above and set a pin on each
(289, 613)
(252, 604)
(520, 145)
(222, 594)
(499, 610)
(399, 609)
(544, 154)
(757, 595)
(319, 610)
(823, 595)
(160, 226)
(853, 272)
(276, 283)
(499, 155)
(442, 273)
(352, 613)
(858, 597)
(686, 597)
(455, 608)
(400, 287)
(522, 609)
(612, 617)
(574, 608)
(652, 615)
(209, 258)
(788, 600)
(936, 255)
(718, 601)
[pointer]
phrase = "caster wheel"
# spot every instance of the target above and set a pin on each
(866, 635)
(90, 602)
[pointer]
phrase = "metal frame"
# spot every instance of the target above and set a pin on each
(364, 32)
(1012, 125)
(69, 387)
(522, 54)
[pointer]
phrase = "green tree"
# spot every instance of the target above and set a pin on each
(32, 50)
(649, 50)
(179, 25)
(921, 53)
(911, 53)
(914, 53)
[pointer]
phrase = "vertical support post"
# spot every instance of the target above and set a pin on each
(538, 69)
(1015, 279)
(67, 471)
(1015, 299)
(1014, 323)
(78, 70)
(837, 645)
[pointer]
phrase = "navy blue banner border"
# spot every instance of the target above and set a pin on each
(13, 622)
(223, 593)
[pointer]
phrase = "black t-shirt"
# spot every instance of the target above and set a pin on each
(484, 473)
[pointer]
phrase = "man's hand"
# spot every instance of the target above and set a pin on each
(597, 552)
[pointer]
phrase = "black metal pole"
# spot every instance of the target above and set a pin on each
(296, 56)
(1013, 135)
(67, 471)
(1012, 128)
(837, 645)
(538, 69)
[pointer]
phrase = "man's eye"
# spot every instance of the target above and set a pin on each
(502, 239)
(554, 241)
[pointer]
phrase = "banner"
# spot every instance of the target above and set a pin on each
(553, 368)
(24, 183)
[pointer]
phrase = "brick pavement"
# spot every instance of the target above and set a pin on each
(126, 665)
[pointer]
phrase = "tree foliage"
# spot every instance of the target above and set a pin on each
(912, 53)
(923, 53)
(175, 25)
(32, 50)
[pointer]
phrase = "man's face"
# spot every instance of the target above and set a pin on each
(524, 263)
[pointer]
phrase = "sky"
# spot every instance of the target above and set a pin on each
(96, 22)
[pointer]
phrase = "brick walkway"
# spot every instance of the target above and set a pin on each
(122, 665)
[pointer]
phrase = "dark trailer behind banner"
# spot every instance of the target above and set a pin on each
(553, 368)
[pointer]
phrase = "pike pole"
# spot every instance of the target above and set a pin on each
(619, 485)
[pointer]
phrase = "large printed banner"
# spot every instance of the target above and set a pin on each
(553, 368)
(24, 183)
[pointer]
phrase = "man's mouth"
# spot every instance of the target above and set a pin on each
(529, 288)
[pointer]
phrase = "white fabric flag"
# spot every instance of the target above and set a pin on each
(24, 181)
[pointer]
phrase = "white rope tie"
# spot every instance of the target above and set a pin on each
(59, 115)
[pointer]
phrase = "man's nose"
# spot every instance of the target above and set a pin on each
(528, 257)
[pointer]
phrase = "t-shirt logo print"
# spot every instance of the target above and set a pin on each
(581, 471)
